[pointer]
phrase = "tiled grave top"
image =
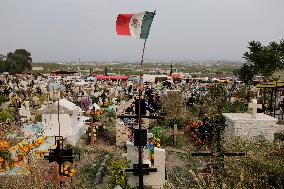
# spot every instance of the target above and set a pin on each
(248, 117)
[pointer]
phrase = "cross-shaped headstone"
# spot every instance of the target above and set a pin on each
(59, 155)
(92, 133)
(140, 140)
(218, 156)
(253, 106)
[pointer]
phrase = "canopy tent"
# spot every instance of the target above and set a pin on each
(112, 77)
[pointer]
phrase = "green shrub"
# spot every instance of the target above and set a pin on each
(262, 167)
(279, 136)
(6, 115)
(38, 118)
(116, 175)
(2, 99)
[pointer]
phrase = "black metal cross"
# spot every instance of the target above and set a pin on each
(59, 154)
(218, 155)
(136, 171)
(140, 140)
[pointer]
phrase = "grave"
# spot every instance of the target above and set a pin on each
(154, 179)
(251, 125)
(120, 127)
(217, 156)
(24, 111)
(70, 118)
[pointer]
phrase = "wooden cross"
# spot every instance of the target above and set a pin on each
(218, 156)
(92, 141)
(57, 177)
(91, 130)
(253, 106)
(175, 133)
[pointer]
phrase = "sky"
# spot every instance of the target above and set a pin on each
(69, 30)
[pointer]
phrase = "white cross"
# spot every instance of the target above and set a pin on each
(253, 106)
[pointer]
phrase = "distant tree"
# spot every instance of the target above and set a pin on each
(246, 73)
(2, 57)
(106, 70)
(2, 61)
(218, 72)
(262, 60)
(16, 62)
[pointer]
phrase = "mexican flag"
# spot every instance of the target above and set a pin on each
(135, 25)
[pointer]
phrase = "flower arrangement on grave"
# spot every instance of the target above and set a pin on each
(5, 155)
(25, 147)
(68, 169)
(152, 143)
(191, 130)
(96, 114)
(106, 104)
(86, 102)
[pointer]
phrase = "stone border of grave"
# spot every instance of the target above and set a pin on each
(102, 169)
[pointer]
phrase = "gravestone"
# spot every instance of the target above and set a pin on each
(253, 107)
(71, 120)
(251, 125)
(154, 179)
(120, 127)
(24, 111)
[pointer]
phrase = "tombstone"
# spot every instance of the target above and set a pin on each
(154, 179)
(253, 107)
(120, 127)
(35, 101)
(70, 118)
(251, 125)
(24, 111)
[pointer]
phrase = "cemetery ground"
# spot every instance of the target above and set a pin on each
(263, 163)
(101, 164)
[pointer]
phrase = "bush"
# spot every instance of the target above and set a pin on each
(6, 115)
(116, 175)
(279, 136)
(263, 166)
(2, 99)
(169, 123)
(38, 118)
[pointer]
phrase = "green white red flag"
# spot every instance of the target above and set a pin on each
(135, 25)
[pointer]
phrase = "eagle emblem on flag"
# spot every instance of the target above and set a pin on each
(135, 23)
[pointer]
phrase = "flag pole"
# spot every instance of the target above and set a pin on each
(142, 57)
